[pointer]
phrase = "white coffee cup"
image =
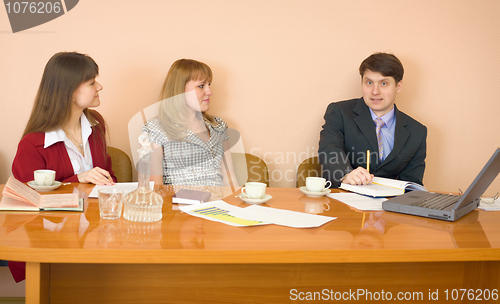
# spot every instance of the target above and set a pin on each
(45, 177)
(254, 190)
(317, 184)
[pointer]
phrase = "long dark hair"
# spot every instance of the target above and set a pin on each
(62, 75)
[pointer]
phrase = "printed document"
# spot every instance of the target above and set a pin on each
(358, 201)
(281, 217)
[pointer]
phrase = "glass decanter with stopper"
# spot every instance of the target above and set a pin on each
(143, 204)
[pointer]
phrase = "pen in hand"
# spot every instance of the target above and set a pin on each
(368, 161)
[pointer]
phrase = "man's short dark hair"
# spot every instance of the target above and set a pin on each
(386, 64)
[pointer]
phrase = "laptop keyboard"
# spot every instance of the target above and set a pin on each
(438, 201)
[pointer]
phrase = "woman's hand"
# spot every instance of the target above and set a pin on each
(96, 176)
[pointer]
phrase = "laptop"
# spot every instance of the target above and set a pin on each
(446, 206)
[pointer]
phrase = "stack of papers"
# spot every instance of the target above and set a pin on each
(360, 202)
(282, 217)
(219, 211)
(489, 204)
(223, 212)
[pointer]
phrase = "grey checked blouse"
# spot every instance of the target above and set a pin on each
(191, 161)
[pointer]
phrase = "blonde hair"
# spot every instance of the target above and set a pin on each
(173, 111)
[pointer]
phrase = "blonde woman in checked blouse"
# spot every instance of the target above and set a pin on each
(192, 146)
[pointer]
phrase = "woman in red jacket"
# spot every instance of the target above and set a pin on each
(63, 134)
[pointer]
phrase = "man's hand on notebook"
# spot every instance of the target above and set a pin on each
(358, 176)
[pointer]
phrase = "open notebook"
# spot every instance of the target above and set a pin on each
(383, 187)
(446, 206)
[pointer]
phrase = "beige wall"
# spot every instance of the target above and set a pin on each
(277, 66)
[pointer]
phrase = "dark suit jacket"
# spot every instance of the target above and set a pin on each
(349, 132)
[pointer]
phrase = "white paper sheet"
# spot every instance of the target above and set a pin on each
(358, 201)
(281, 217)
(219, 211)
(489, 205)
(126, 187)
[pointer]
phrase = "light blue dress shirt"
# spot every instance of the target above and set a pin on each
(387, 130)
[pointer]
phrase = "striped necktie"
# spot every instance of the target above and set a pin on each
(380, 123)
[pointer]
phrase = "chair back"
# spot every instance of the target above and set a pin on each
(309, 167)
(249, 168)
(121, 165)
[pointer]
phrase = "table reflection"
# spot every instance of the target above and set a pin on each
(371, 235)
(315, 205)
(467, 232)
(109, 234)
(368, 229)
(182, 230)
(54, 229)
(141, 233)
(352, 229)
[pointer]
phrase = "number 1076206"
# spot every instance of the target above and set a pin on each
(33, 7)
(471, 294)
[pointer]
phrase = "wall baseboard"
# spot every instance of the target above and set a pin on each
(9, 289)
(12, 301)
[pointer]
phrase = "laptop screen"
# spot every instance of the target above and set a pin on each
(482, 181)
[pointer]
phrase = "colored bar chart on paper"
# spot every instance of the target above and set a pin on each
(219, 211)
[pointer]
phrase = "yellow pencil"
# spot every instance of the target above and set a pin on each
(368, 160)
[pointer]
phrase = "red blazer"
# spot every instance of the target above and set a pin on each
(31, 156)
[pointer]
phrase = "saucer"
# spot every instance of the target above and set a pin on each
(254, 201)
(54, 186)
(313, 193)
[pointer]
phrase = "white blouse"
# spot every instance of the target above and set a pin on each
(79, 162)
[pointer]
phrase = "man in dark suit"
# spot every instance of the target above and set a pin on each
(397, 142)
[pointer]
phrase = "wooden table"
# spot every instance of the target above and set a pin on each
(79, 258)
